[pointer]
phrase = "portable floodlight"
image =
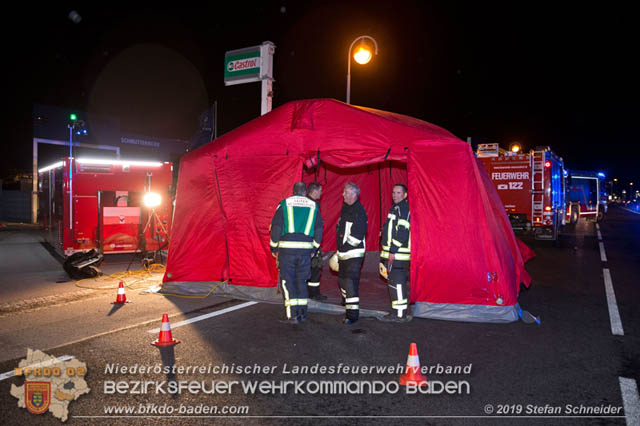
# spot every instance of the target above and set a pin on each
(151, 199)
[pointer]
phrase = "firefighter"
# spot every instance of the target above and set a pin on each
(314, 192)
(296, 231)
(351, 231)
(396, 254)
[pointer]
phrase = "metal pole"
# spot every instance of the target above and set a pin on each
(70, 177)
(34, 189)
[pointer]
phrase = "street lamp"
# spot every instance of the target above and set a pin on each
(515, 147)
(77, 126)
(362, 56)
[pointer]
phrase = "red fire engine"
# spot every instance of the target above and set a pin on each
(113, 206)
(530, 185)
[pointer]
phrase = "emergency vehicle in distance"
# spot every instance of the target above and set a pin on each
(531, 186)
(112, 206)
(586, 195)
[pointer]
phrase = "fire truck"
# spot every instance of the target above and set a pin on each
(110, 206)
(531, 187)
(586, 196)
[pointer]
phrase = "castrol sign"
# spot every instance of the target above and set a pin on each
(243, 64)
(249, 64)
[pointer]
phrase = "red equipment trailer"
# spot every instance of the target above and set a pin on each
(530, 185)
(113, 206)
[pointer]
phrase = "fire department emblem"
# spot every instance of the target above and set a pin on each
(37, 396)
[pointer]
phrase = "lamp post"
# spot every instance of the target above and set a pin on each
(362, 56)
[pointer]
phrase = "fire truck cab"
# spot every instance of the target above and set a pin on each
(586, 196)
(531, 186)
(111, 206)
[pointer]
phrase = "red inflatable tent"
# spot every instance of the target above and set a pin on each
(466, 264)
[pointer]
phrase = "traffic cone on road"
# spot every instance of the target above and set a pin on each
(121, 298)
(165, 338)
(413, 375)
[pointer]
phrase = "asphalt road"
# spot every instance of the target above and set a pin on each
(519, 373)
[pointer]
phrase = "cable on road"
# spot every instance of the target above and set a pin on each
(131, 279)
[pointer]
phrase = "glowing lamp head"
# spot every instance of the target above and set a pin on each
(547, 164)
(151, 199)
(73, 117)
(547, 208)
(362, 55)
(515, 147)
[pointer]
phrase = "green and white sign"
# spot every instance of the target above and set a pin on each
(248, 64)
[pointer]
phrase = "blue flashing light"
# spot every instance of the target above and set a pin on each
(84, 131)
(601, 175)
(565, 173)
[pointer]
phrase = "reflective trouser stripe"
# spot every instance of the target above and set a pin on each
(352, 307)
(302, 302)
(352, 300)
(344, 292)
(399, 307)
(310, 284)
(315, 244)
(404, 250)
(287, 302)
(272, 244)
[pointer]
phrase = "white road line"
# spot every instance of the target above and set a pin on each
(597, 227)
(603, 255)
(629, 389)
(599, 235)
(205, 316)
(614, 315)
(62, 358)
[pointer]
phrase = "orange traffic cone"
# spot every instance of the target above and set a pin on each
(121, 298)
(413, 375)
(165, 338)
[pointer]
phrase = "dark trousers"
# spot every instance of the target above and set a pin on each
(349, 280)
(316, 270)
(399, 288)
(295, 269)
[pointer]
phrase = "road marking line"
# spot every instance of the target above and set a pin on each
(614, 315)
(603, 255)
(63, 358)
(205, 316)
(599, 235)
(629, 389)
(597, 227)
(630, 210)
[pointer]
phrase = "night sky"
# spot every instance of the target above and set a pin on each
(563, 75)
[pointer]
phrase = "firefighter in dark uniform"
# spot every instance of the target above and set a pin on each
(395, 254)
(314, 192)
(296, 232)
(351, 231)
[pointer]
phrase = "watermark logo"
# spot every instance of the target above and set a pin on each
(50, 383)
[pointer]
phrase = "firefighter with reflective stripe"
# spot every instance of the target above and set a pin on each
(314, 192)
(296, 232)
(395, 254)
(351, 231)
